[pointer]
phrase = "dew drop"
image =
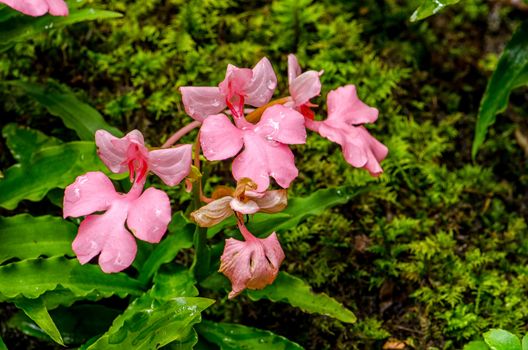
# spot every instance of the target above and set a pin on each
(271, 84)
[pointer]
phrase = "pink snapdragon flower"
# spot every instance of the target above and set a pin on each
(245, 200)
(172, 165)
(253, 263)
(265, 151)
(344, 125)
(38, 8)
(146, 215)
(240, 86)
(303, 87)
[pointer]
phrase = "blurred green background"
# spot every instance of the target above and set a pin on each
(435, 253)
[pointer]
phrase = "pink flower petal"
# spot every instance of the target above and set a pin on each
(119, 251)
(149, 215)
(172, 165)
(57, 8)
(294, 69)
(111, 151)
(201, 102)
(282, 124)
(252, 264)
(213, 213)
(271, 201)
(33, 8)
(249, 207)
(219, 138)
(262, 85)
(235, 81)
(376, 152)
(350, 140)
(304, 87)
(89, 193)
(344, 105)
(261, 159)
(106, 234)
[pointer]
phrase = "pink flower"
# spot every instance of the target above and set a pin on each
(37, 8)
(172, 165)
(146, 215)
(303, 87)
(253, 263)
(344, 125)
(244, 200)
(240, 86)
(265, 152)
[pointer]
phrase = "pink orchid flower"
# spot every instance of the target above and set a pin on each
(240, 86)
(303, 87)
(146, 215)
(265, 151)
(172, 165)
(344, 125)
(244, 200)
(253, 263)
(38, 8)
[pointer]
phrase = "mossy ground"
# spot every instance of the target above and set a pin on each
(437, 251)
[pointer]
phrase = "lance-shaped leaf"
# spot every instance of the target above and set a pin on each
(60, 102)
(511, 72)
(291, 290)
(36, 310)
(31, 278)
(51, 167)
(15, 28)
(2, 344)
(24, 142)
(230, 336)
(499, 339)
(296, 292)
(149, 323)
(430, 7)
(77, 324)
(298, 209)
(24, 237)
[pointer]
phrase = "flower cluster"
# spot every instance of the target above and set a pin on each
(237, 120)
(259, 142)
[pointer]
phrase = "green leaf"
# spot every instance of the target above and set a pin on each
(61, 102)
(296, 292)
(149, 323)
(31, 278)
(24, 142)
(499, 339)
(24, 236)
(18, 28)
(36, 310)
(174, 281)
(77, 324)
(511, 72)
(186, 343)
(297, 210)
(180, 236)
(51, 167)
(230, 336)
(476, 345)
(525, 342)
(430, 7)
(2, 344)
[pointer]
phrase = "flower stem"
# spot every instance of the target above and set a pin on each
(254, 116)
(202, 252)
(180, 133)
